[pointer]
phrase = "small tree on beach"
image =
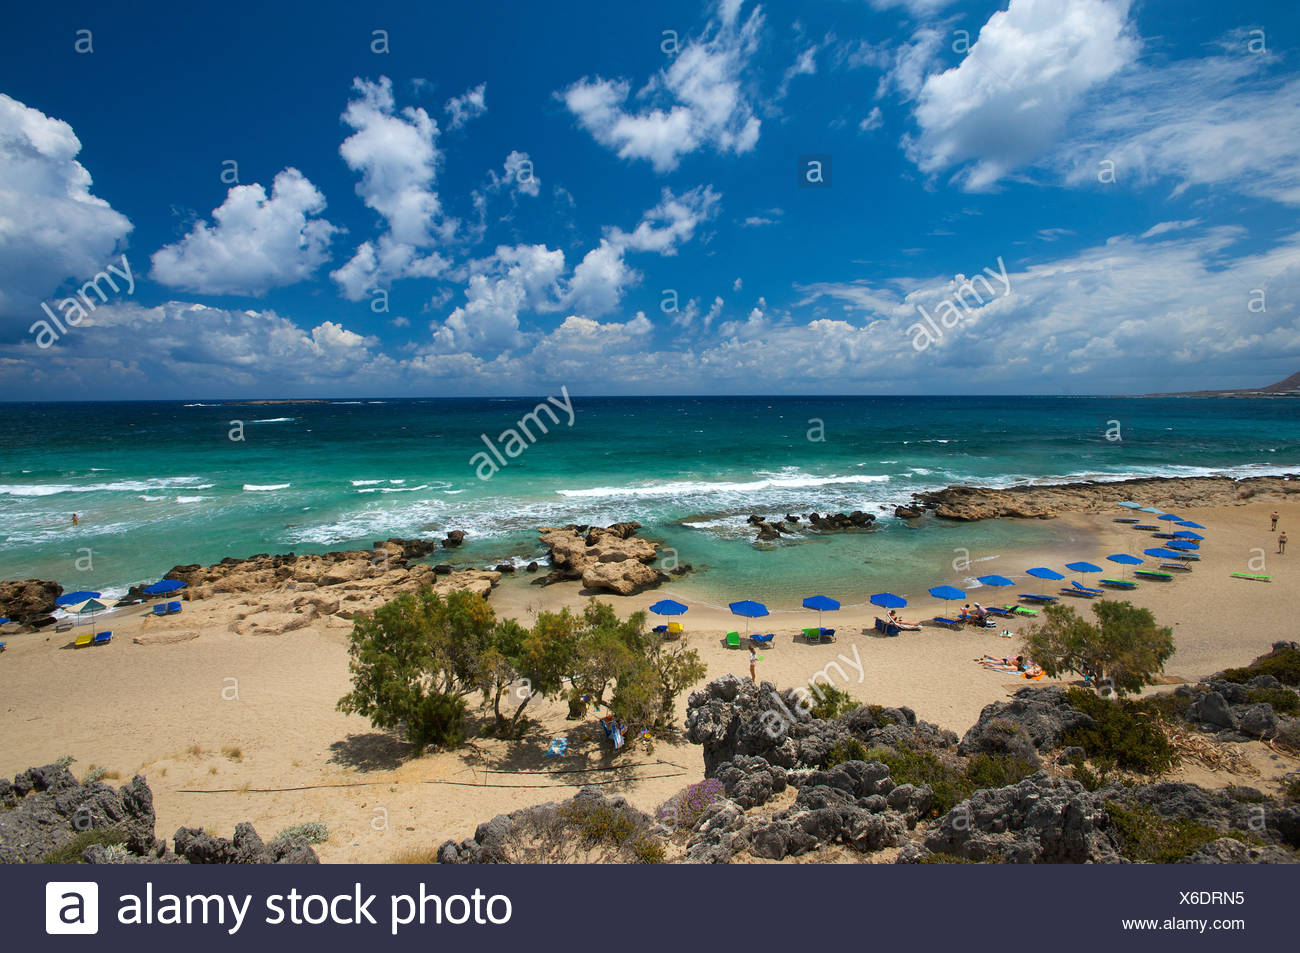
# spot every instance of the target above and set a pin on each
(1124, 645)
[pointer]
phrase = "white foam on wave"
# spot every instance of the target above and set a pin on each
(192, 499)
(273, 420)
(703, 487)
(117, 486)
(366, 482)
(265, 487)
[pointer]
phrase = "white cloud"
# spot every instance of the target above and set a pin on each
(512, 279)
(700, 95)
(255, 243)
(1161, 227)
(918, 8)
(470, 105)
(771, 216)
(1221, 122)
(519, 175)
(1011, 97)
(875, 119)
(804, 65)
(397, 157)
(669, 223)
(737, 285)
(52, 227)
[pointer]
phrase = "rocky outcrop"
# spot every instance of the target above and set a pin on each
(1040, 820)
(609, 559)
(769, 530)
(46, 809)
(1035, 719)
(29, 601)
(1045, 502)
(295, 590)
(732, 717)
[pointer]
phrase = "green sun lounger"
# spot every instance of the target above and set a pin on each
(733, 640)
(1119, 583)
(813, 634)
(1249, 575)
(1016, 609)
(1153, 574)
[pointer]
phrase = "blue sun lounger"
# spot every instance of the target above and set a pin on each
(661, 629)
(1080, 593)
(950, 623)
(173, 607)
(828, 635)
(762, 639)
(999, 611)
(888, 628)
(1038, 597)
(102, 638)
(160, 609)
(1080, 587)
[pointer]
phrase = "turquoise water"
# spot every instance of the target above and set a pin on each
(157, 484)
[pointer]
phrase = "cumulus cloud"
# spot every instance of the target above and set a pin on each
(1010, 98)
(698, 99)
(255, 243)
(470, 105)
(52, 228)
(397, 157)
(196, 349)
(518, 175)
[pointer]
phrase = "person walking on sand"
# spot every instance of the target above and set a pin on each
(1274, 526)
(753, 662)
(1281, 542)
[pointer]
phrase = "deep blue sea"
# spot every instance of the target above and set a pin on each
(157, 484)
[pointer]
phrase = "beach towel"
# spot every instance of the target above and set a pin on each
(558, 747)
(618, 736)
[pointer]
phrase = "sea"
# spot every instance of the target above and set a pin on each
(157, 484)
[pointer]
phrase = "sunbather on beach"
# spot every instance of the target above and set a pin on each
(896, 619)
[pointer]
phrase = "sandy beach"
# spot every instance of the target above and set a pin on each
(229, 727)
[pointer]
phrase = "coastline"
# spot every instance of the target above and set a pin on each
(165, 708)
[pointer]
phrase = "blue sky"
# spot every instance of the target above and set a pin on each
(507, 201)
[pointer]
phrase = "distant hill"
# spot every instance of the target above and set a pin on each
(1286, 388)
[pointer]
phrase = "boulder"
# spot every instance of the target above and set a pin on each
(28, 601)
(453, 539)
(1039, 716)
(1211, 708)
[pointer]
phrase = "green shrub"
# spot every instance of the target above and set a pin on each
(1166, 705)
(314, 831)
(1291, 788)
(1147, 837)
(599, 824)
(1283, 700)
(1283, 664)
(1123, 734)
(831, 702)
(850, 749)
(997, 770)
(909, 765)
(70, 851)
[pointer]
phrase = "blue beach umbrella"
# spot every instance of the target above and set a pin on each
(668, 607)
(995, 580)
(1183, 544)
(1190, 525)
(1124, 559)
(947, 592)
(163, 587)
(749, 609)
(1149, 509)
(1170, 518)
(1082, 567)
(1130, 504)
(4, 620)
(1042, 572)
(72, 598)
(887, 600)
(1161, 553)
(1188, 534)
(821, 604)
